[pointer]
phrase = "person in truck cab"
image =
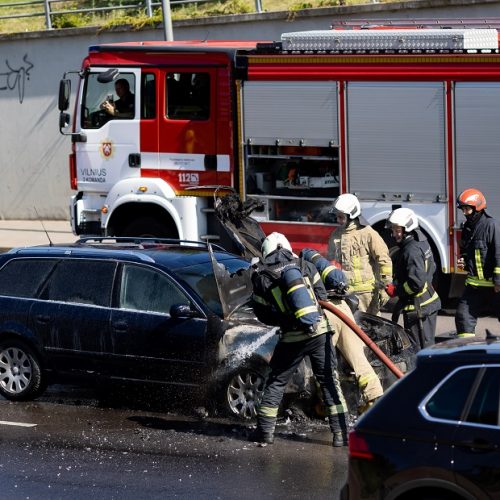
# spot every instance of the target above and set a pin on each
(480, 257)
(124, 106)
(362, 254)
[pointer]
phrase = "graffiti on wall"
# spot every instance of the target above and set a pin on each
(15, 77)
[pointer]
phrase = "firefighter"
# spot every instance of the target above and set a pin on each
(362, 253)
(124, 106)
(348, 343)
(303, 329)
(480, 257)
(413, 272)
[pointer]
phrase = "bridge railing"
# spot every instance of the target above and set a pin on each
(51, 8)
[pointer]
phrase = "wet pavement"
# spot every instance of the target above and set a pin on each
(78, 449)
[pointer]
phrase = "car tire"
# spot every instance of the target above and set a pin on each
(21, 377)
(241, 391)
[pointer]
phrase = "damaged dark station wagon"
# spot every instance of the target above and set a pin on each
(164, 312)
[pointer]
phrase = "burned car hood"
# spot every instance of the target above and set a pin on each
(234, 288)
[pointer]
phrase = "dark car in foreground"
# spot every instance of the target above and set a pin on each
(436, 433)
(171, 314)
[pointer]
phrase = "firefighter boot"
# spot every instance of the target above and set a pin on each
(339, 431)
(264, 433)
(340, 439)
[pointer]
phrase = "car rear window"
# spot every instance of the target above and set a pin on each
(449, 400)
(485, 408)
(82, 282)
(24, 277)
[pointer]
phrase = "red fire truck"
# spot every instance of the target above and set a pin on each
(406, 116)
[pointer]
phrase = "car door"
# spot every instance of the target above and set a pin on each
(145, 341)
(476, 455)
(72, 314)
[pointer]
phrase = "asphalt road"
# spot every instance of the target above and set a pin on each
(76, 449)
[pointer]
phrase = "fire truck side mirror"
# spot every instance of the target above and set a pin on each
(64, 94)
(64, 119)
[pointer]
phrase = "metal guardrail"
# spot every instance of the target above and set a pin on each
(48, 11)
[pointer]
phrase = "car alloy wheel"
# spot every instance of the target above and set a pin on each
(243, 392)
(20, 374)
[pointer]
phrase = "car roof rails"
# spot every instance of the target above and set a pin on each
(141, 242)
(434, 23)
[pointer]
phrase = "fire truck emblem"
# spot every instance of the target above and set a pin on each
(106, 149)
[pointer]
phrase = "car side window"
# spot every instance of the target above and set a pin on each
(144, 289)
(449, 400)
(24, 277)
(485, 408)
(82, 282)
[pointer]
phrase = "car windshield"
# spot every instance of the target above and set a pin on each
(201, 279)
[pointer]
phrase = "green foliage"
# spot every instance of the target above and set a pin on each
(70, 21)
(228, 7)
(300, 6)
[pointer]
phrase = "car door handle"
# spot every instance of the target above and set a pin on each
(478, 445)
(42, 318)
(120, 326)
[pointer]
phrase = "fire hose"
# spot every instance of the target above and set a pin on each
(363, 336)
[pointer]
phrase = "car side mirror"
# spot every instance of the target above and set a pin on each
(183, 311)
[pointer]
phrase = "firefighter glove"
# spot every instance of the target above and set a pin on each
(390, 289)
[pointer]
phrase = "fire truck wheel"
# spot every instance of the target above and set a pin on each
(21, 376)
(149, 227)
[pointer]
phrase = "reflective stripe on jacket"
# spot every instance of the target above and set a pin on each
(480, 247)
(363, 254)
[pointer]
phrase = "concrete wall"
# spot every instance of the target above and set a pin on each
(34, 179)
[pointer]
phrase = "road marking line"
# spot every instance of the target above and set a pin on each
(18, 424)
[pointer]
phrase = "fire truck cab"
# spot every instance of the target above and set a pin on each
(406, 116)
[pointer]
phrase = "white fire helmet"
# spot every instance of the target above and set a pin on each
(273, 242)
(404, 217)
(347, 204)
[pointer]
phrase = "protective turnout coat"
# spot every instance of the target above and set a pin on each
(413, 274)
(363, 255)
(480, 247)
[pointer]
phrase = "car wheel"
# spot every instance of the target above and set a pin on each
(242, 391)
(20, 372)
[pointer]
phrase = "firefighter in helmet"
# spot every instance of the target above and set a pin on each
(480, 257)
(286, 290)
(348, 343)
(413, 272)
(362, 253)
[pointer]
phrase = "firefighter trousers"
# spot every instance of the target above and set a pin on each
(372, 302)
(475, 302)
(353, 350)
(286, 358)
(421, 330)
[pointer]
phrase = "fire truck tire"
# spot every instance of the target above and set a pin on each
(150, 227)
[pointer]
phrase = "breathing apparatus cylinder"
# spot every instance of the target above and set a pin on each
(299, 298)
